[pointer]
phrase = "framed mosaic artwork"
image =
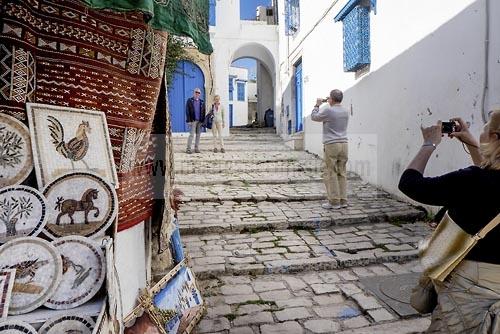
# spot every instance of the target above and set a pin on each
(16, 159)
(7, 277)
(84, 270)
(68, 324)
(23, 212)
(68, 139)
(16, 327)
(79, 203)
(38, 267)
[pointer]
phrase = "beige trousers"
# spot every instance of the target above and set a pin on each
(335, 173)
(217, 133)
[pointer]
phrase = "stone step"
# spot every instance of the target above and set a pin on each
(234, 140)
(326, 302)
(208, 148)
(290, 251)
(281, 192)
(230, 216)
(255, 157)
(244, 178)
(256, 166)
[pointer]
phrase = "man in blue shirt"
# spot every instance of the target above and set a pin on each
(195, 115)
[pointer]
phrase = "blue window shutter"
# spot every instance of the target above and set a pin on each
(211, 13)
(241, 91)
(287, 17)
(356, 31)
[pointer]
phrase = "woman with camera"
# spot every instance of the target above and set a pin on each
(468, 300)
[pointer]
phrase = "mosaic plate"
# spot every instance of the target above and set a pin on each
(23, 212)
(16, 160)
(79, 203)
(84, 269)
(68, 324)
(38, 267)
(16, 327)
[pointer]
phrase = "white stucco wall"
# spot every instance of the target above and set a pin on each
(131, 261)
(233, 39)
(240, 108)
(427, 64)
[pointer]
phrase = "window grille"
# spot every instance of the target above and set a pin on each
(355, 16)
(241, 91)
(292, 16)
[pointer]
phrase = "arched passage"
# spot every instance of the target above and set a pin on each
(266, 76)
(187, 77)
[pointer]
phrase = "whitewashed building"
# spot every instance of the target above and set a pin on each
(400, 64)
(234, 39)
(237, 108)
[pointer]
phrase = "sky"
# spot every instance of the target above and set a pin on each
(247, 12)
(248, 63)
(248, 7)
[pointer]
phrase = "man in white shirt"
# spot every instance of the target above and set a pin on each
(335, 119)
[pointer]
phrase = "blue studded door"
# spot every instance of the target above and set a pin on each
(187, 77)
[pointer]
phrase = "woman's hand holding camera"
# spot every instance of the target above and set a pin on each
(462, 133)
(432, 135)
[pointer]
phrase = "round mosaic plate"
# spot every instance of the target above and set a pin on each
(68, 324)
(23, 212)
(38, 267)
(16, 159)
(16, 327)
(84, 269)
(80, 203)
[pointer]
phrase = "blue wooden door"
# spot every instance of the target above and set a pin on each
(187, 77)
(231, 116)
(299, 125)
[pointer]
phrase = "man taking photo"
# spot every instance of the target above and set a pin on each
(335, 119)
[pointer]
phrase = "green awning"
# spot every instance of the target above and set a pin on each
(178, 17)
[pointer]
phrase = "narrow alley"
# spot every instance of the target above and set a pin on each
(268, 257)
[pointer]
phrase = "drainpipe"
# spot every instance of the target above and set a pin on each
(485, 111)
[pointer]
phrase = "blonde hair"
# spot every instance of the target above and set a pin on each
(491, 150)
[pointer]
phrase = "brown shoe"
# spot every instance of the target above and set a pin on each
(215, 150)
(222, 150)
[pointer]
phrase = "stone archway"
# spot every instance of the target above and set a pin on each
(266, 75)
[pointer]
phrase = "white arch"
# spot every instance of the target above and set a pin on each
(256, 51)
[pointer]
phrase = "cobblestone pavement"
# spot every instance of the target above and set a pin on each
(270, 259)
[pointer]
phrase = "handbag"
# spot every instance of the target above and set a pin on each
(207, 122)
(423, 296)
(448, 246)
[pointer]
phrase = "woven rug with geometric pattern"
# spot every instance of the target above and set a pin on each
(60, 52)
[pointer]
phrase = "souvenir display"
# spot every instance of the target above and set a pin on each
(23, 212)
(16, 160)
(7, 277)
(68, 324)
(38, 267)
(68, 139)
(84, 270)
(16, 327)
(79, 203)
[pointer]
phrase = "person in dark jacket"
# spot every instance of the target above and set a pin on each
(195, 115)
(469, 298)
